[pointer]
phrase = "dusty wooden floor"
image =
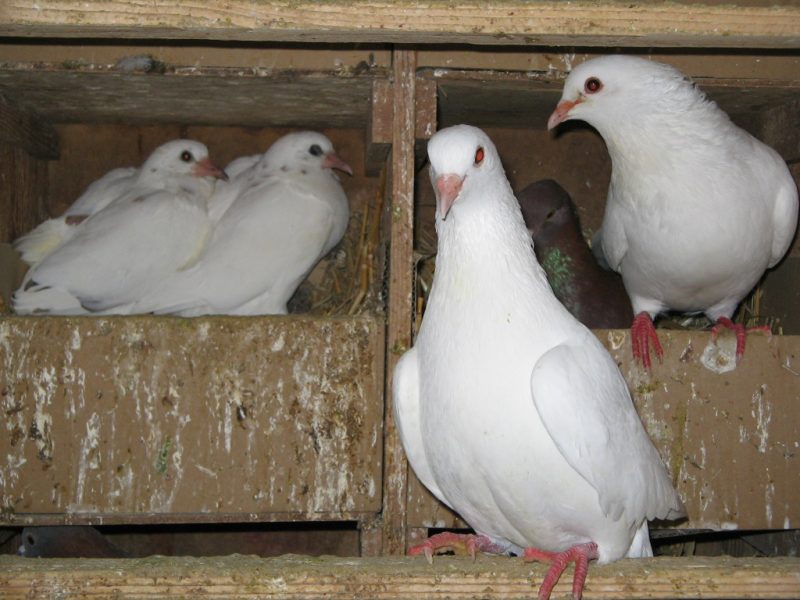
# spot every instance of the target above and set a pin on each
(293, 576)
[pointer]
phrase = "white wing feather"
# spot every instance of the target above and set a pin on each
(585, 406)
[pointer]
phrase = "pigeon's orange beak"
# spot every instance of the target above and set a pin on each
(332, 161)
(561, 113)
(448, 187)
(206, 168)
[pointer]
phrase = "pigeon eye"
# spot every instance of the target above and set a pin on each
(479, 155)
(186, 156)
(592, 85)
(315, 150)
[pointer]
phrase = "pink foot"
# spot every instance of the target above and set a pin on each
(740, 331)
(642, 333)
(465, 542)
(558, 561)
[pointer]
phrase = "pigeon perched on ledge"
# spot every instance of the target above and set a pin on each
(510, 411)
(697, 208)
(594, 296)
(157, 226)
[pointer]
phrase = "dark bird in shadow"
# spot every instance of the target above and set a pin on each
(594, 296)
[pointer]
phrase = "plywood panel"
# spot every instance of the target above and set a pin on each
(731, 438)
(145, 417)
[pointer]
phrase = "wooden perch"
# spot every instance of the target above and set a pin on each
(305, 577)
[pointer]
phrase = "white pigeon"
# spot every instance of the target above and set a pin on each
(697, 208)
(289, 211)
(157, 226)
(510, 410)
(43, 239)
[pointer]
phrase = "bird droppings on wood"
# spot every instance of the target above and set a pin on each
(145, 415)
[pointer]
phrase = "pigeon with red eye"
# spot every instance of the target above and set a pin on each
(697, 210)
(594, 296)
(287, 212)
(42, 240)
(156, 227)
(511, 412)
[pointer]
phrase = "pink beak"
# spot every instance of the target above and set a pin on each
(447, 189)
(561, 113)
(332, 161)
(206, 168)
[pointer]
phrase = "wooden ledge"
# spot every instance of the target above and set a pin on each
(527, 22)
(389, 578)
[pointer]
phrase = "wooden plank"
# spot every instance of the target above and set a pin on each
(398, 338)
(27, 131)
(394, 578)
(161, 419)
(246, 97)
(728, 438)
(527, 99)
(379, 127)
(532, 22)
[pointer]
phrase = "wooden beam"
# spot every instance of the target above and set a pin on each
(220, 96)
(528, 22)
(27, 131)
(291, 577)
(379, 126)
(401, 276)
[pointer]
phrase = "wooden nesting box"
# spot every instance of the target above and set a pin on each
(698, 406)
(218, 419)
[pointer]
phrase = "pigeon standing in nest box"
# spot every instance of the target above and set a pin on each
(158, 226)
(511, 411)
(285, 212)
(697, 208)
(594, 296)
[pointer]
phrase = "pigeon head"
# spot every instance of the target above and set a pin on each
(612, 91)
(303, 151)
(546, 206)
(462, 157)
(181, 158)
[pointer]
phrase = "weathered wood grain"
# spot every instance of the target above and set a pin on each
(536, 22)
(150, 419)
(398, 338)
(210, 97)
(487, 578)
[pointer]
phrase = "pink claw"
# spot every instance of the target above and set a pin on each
(739, 330)
(469, 543)
(642, 334)
(558, 561)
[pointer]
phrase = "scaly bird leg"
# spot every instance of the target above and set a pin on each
(739, 330)
(558, 561)
(465, 542)
(642, 333)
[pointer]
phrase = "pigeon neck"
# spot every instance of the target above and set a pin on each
(486, 251)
